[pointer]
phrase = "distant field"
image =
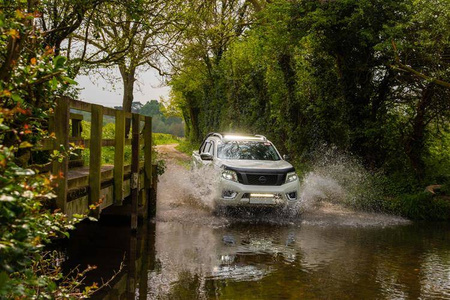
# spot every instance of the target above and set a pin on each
(109, 133)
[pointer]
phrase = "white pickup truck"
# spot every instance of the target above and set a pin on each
(251, 171)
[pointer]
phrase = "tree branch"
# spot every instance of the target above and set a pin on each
(400, 66)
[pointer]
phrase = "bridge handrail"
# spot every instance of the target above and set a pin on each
(60, 124)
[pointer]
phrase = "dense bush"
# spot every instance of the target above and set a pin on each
(421, 206)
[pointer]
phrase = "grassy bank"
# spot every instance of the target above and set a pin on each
(165, 139)
(187, 147)
(421, 205)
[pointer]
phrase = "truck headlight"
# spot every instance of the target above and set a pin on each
(290, 177)
(229, 175)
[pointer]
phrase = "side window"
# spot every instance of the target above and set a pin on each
(212, 148)
(207, 147)
(202, 147)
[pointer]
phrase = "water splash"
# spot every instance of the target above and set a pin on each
(203, 183)
(336, 191)
(340, 179)
(190, 187)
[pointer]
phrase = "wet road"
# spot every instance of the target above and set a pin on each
(327, 253)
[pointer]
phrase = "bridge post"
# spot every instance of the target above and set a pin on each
(119, 156)
(60, 126)
(95, 157)
(134, 184)
(151, 205)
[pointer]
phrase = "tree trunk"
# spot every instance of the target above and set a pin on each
(414, 145)
(294, 112)
(195, 131)
(128, 79)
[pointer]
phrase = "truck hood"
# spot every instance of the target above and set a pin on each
(257, 165)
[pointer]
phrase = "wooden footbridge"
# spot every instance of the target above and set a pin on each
(124, 188)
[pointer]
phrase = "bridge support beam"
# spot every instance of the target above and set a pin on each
(95, 156)
(60, 126)
(134, 184)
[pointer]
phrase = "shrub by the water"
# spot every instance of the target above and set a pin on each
(421, 206)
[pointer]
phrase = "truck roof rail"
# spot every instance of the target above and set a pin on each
(261, 136)
(214, 134)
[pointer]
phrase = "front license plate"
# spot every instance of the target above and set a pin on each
(267, 201)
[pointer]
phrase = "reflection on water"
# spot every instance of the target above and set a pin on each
(181, 260)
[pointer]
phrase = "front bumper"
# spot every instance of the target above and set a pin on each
(256, 195)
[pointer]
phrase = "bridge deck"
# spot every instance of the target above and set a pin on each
(79, 177)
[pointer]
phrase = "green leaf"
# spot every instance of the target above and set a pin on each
(52, 286)
(78, 216)
(54, 83)
(68, 80)
(59, 62)
(25, 145)
(17, 98)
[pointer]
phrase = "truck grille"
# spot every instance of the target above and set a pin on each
(261, 179)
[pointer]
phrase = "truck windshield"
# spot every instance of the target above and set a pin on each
(251, 150)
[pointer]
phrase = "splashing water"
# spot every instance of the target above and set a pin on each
(340, 179)
(336, 191)
(203, 185)
(194, 187)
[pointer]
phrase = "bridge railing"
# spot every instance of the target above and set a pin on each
(79, 187)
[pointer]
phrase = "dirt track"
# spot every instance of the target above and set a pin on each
(169, 152)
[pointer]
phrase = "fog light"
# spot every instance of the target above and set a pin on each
(229, 194)
(292, 196)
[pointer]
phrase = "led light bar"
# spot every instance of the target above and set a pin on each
(241, 138)
(262, 195)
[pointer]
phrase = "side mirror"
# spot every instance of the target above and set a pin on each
(286, 157)
(206, 156)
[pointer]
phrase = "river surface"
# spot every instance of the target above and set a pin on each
(327, 252)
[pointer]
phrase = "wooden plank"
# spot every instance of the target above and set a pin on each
(95, 158)
(119, 157)
(80, 105)
(109, 111)
(46, 144)
(87, 142)
(148, 160)
(76, 133)
(108, 142)
(134, 171)
(151, 200)
(77, 206)
(79, 117)
(76, 163)
(60, 126)
(79, 177)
